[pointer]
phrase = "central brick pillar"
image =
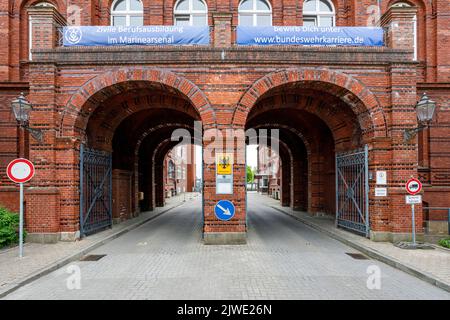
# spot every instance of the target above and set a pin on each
(216, 231)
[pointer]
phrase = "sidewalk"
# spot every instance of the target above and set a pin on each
(430, 265)
(40, 259)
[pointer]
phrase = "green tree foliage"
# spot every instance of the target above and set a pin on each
(9, 227)
(250, 175)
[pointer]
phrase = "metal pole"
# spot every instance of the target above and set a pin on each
(81, 189)
(366, 186)
(336, 191)
(413, 225)
(21, 222)
(448, 221)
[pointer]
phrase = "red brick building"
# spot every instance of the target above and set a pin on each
(268, 172)
(179, 170)
(119, 105)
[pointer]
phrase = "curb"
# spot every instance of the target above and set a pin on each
(76, 256)
(374, 253)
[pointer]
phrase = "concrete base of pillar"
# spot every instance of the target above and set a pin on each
(225, 238)
(381, 236)
(42, 237)
(69, 236)
(52, 237)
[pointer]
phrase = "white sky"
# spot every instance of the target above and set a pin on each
(252, 158)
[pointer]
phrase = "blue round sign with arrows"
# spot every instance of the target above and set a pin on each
(224, 210)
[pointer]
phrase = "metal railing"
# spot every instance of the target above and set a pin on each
(445, 209)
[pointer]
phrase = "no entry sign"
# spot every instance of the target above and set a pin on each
(20, 170)
(413, 186)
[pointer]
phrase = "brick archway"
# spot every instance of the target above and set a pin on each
(80, 106)
(352, 91)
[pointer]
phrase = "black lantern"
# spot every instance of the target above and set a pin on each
(425, 111)
(21, 108)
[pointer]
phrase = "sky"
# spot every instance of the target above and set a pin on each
(252, 158)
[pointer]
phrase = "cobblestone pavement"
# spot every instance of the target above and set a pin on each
(283, 259)
(38, 256)
(433, 262)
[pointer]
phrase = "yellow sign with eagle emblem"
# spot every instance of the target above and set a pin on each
(224, 163)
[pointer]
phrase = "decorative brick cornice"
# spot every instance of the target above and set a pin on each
(208, 55)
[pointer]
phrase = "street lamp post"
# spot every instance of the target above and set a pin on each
(21, 108)
(425, 111)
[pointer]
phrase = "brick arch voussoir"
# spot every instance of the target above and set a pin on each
(106, 80)
(279, 78)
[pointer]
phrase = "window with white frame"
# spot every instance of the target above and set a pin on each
(318, 13)
(171, 170)
(44, 4)
(408, 5)
(401, 4)
(191, 13)
(127, 13)
(255, 13)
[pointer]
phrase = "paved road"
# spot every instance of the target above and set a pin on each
(284, 259)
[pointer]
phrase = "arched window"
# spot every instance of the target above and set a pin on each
(319, 13)
(127, 13)
(403, 4)
(171, 170)
(44, 4)
(191, 13)
(255, 13)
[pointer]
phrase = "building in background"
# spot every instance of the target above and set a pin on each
(268, 173)
(179, 168)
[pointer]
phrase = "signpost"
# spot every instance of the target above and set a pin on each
(413, 186)
(20, 171)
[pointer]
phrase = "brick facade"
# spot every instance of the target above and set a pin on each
(128, 100)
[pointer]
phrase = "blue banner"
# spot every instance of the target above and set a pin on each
(310, 36)
(136, 35)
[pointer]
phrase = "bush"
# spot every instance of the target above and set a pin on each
(445, 243)
(9, 227)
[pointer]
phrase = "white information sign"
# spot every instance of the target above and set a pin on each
(224, 184)
(380, 192)
(414, 199)
(381, 177)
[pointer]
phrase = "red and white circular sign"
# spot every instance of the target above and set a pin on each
(20, 170)
(413, 186)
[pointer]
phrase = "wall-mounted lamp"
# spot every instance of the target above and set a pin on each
(425, 111)
(21, 109)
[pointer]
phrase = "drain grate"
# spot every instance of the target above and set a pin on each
(92, 257)
(357, 256)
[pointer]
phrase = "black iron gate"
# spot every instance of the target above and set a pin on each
(95, 190)
(352, 191)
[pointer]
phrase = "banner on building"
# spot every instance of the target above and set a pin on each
(136, 35)
(310, 36)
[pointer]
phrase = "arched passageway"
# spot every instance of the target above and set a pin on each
(317, 123)
(126, 136)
